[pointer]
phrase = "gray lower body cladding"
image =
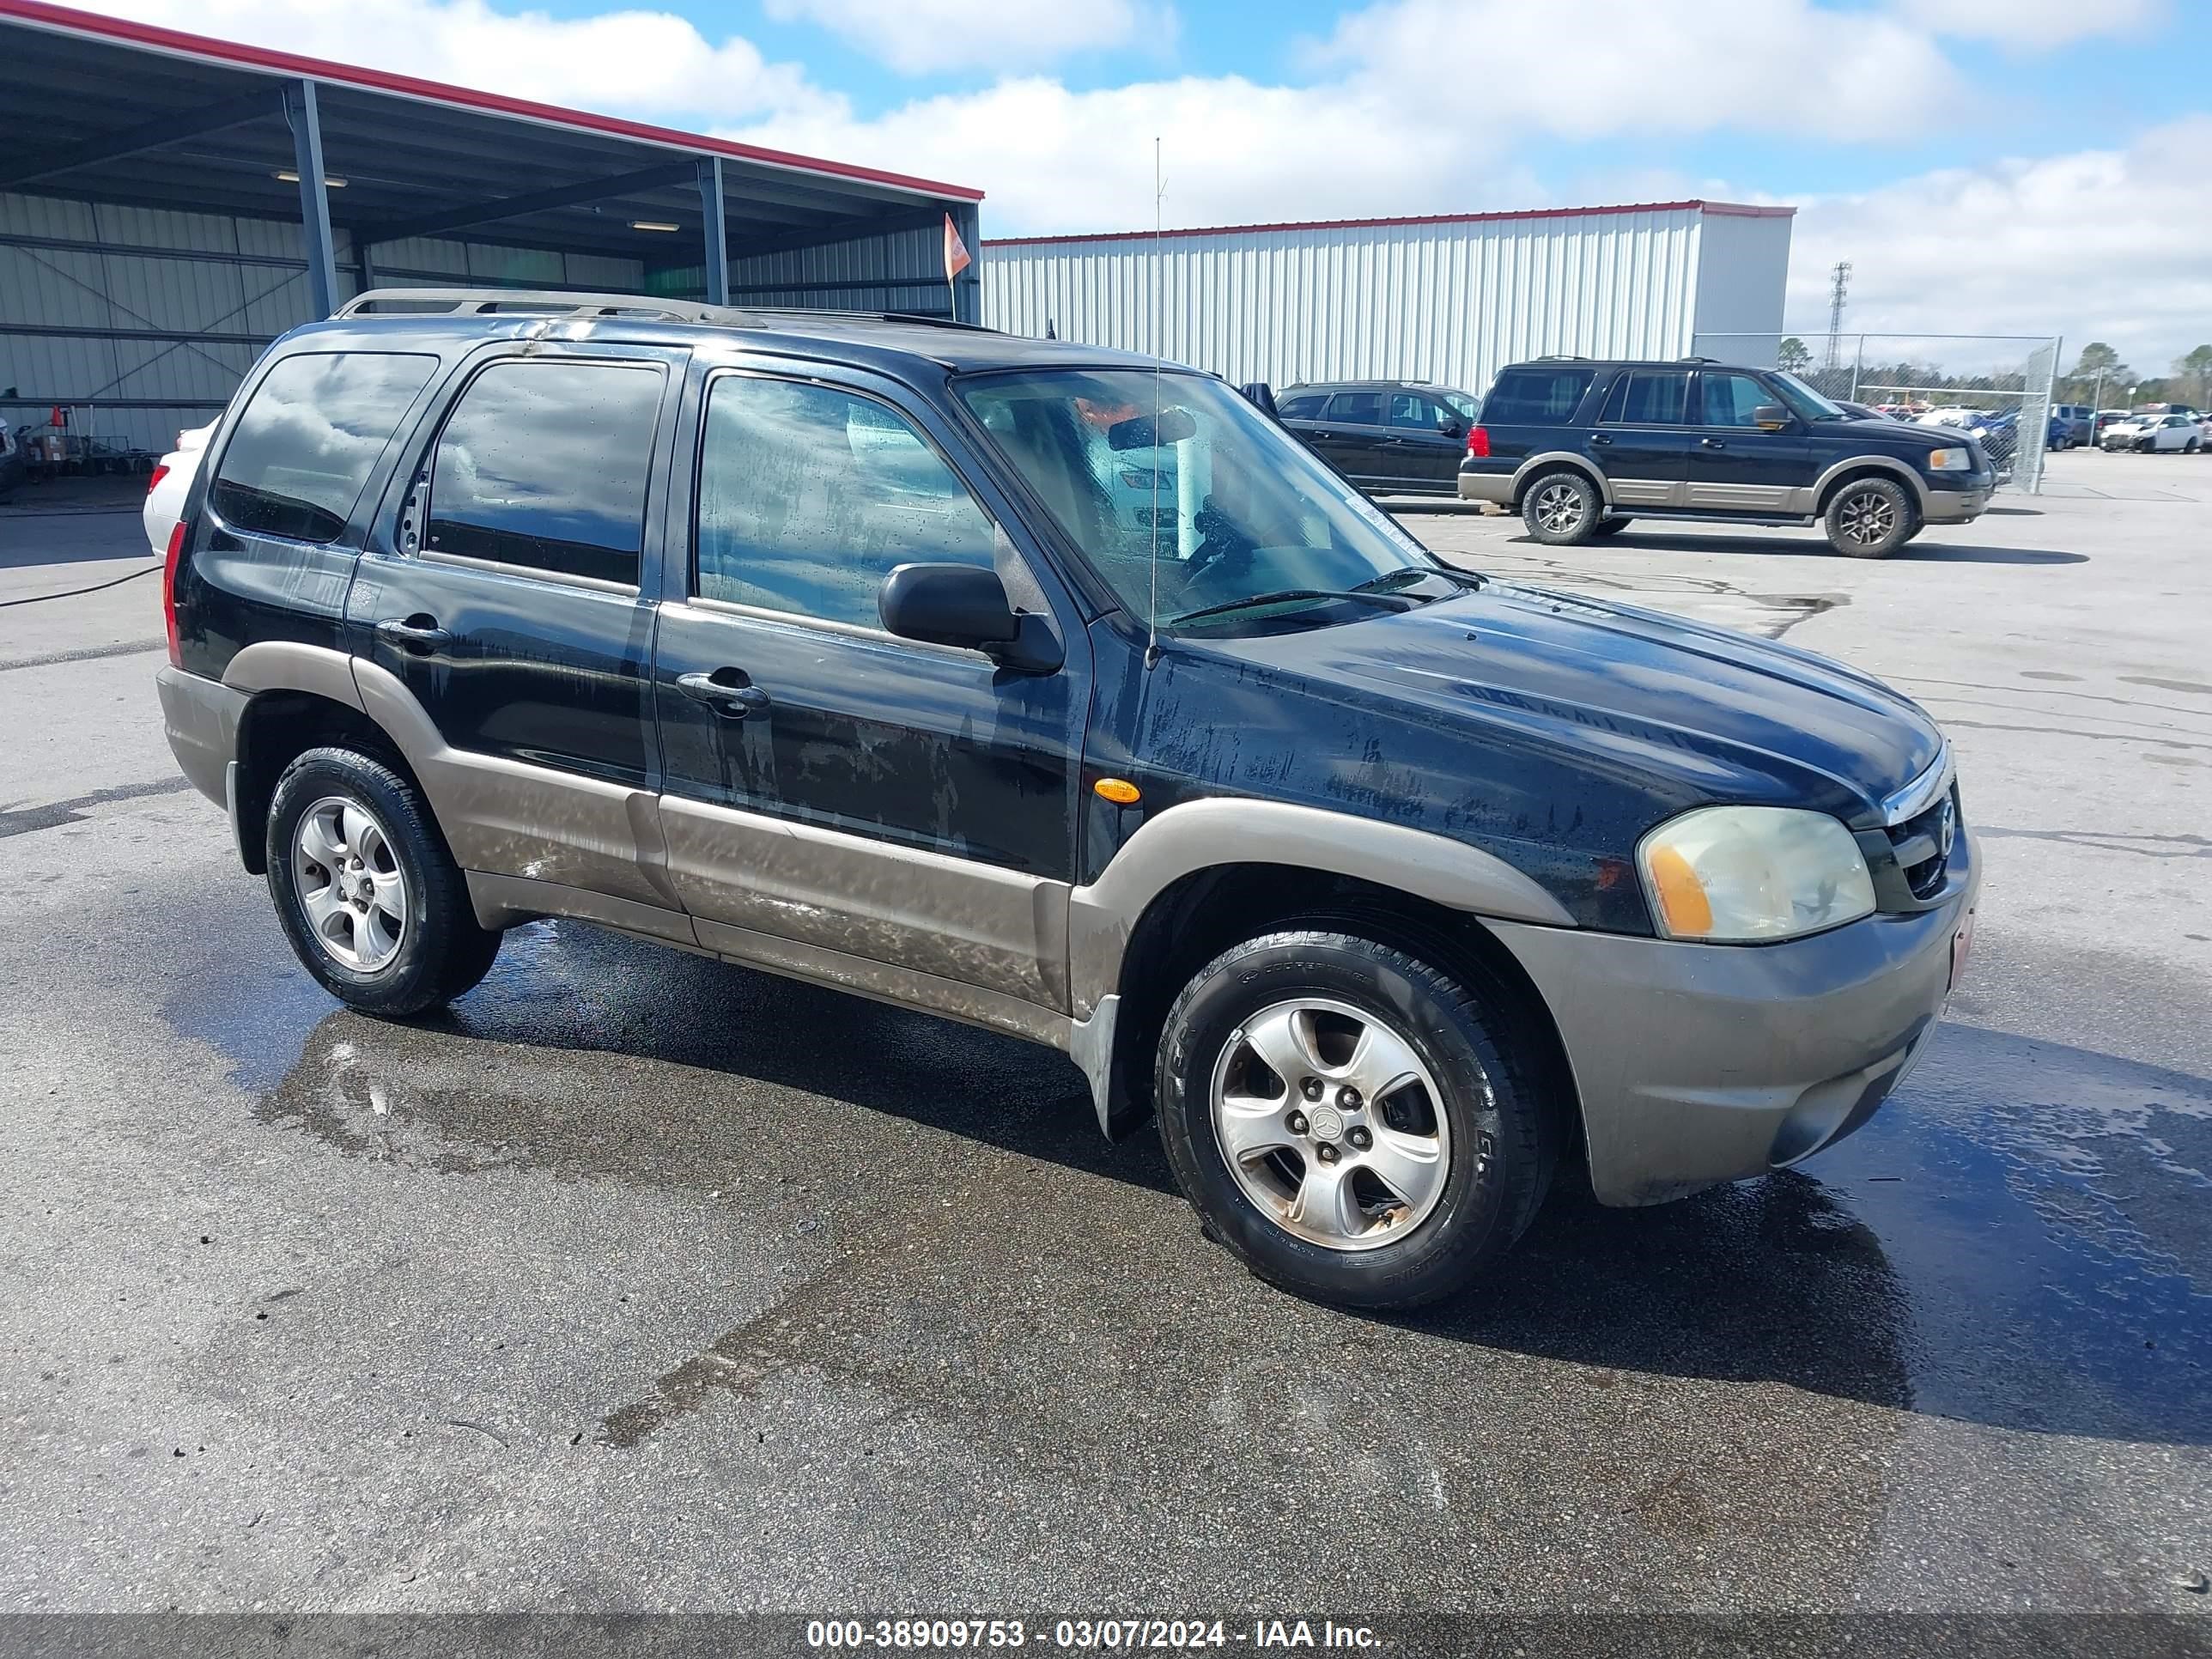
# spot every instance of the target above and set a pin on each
(1698, 1064)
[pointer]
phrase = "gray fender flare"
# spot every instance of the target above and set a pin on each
(1551, 458)
(1200, 835)
(1896, 469)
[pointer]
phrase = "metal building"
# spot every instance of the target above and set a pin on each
(1449, 299)
(169, 204)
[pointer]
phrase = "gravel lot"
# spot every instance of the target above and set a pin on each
(642, 1282)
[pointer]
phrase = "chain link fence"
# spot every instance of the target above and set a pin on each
(1996, 386)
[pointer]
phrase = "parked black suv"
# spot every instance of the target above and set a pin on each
(839, 646)
(1581, 447)
(1389, 437)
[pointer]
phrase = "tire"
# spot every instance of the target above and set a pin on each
(1609, 526)
(1561, 508)
(406, 940)
(1467, 1141)
(2191, 447)
(1870, 517)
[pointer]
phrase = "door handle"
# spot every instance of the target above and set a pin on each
(1713, 443)
(419, 634)
(1599, 440)
(726, 691)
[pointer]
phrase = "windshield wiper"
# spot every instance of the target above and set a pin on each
(1391, 580)
(1389, 602)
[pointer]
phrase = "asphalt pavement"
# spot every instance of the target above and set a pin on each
(640, 1281)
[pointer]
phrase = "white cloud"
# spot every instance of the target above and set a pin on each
(2097, 245)
(637, 63)
(925, 37)
(2037, 25)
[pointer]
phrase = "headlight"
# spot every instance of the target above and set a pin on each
(1743, 873)
(1949, 460)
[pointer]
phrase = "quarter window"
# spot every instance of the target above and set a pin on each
(308, 439)
(543, 464)
(809, 496)
(1538, 394)
(1357, 408)
(1730, 399)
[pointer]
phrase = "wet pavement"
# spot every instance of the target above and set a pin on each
(640, 1281)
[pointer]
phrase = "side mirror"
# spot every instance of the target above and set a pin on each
(1770, 417)
(1142, 432)
(1451, 426)
(966, 606)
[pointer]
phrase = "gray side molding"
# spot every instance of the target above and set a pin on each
(1200, 834)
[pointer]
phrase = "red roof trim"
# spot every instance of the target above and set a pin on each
(1736, 210)
(177, 43)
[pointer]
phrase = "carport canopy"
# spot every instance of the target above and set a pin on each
(100, 109)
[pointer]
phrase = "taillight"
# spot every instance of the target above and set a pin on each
(161, 471)
(1478, 443)
(169, 593)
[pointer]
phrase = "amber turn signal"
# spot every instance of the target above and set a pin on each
(1120, 790)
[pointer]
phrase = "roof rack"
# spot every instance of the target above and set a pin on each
(919, 319)
(1697, 359)
(534, 302)
(1562, 357)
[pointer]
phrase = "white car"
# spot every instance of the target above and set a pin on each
(2151, 434)
(165, 490)
(1953, 415)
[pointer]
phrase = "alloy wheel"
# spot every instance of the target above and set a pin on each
(1331, 1124)
(1867, 518)
(350, 884)
(1559, 507)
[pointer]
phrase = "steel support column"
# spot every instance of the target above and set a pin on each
(968, 290)
(714, 231)
(314, 196)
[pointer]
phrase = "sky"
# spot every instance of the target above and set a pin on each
(2000, 166)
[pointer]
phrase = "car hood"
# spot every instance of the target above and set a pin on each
(1689, 711)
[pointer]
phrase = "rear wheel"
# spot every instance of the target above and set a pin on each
(1562, 509)
(1870, 519)
(370, 898)
(1353, 1124)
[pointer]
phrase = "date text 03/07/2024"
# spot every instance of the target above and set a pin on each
(1107, 1634)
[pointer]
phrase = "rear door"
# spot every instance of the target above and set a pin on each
(838, 799)
(1354, 430)
(505, 603)
(1643, 437)
(1733, 465)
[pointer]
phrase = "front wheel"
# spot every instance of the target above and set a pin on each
(371, 901)
(1353, 1124)
(1870, 519)
(1562, 509)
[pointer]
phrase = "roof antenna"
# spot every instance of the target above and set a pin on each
(1159, 314)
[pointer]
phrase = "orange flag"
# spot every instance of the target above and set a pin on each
(957, 256)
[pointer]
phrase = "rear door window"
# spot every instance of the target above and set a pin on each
(308, 439)
(1647, 397)
(1355, 407)
(542, 464)
(1537, 394)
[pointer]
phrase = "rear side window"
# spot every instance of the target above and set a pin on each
(308, 438)
(1537, 394)
(1650, 397)
(1357, 408)
(809, 496)
(543, 464)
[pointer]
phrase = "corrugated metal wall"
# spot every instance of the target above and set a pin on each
(1447, 302)
(92, 297)
(850, 276)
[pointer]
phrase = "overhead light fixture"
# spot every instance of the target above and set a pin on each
(651, 224)
(288, 177)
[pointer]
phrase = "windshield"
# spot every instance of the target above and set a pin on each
(1805, 403)
(1460, 401)
(1209, 507)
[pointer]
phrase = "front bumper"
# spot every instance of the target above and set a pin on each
(1957, 506)
(1697, 1064)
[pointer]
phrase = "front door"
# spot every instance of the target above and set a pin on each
(1642, 438)
(839, 800)
(1353, 433)
(505, 600)
(1735, 467)
(1426, 441)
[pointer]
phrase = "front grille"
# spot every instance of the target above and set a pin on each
(1919, 844)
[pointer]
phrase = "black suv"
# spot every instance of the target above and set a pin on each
(839, 646)
(1389, 437)
(1580, 447)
